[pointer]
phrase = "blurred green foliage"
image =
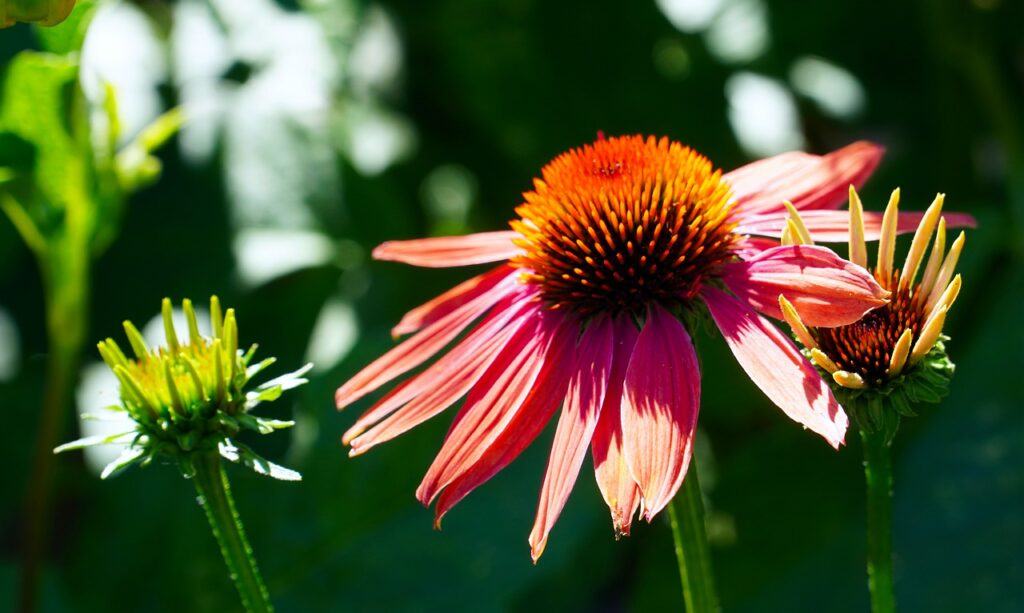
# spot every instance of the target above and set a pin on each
(494, 89)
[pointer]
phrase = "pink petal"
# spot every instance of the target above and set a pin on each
(748, 247)
(493, 402)
(531, 418)
(659, 409)
(808, 181)
(446, 251)
(447, 302)
(575, 427)
(776, 366)
(437, 387)
(825, 289)
(421, 346)
(834, 226)
(613, 479)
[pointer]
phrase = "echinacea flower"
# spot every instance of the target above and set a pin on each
(191, 398)
(618, 245)
(895, 356)
(188, 401)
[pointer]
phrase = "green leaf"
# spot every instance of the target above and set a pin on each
(38, 96)
(136, 166)
(68, 36)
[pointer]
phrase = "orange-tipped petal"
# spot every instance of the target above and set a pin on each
(834, 226)
(575, 427)
(776, 366)
(808, 181)
(660, 401)
(613, 479)
(448, 251)
(493, 402)
(528, 421)
(436, 389)
(825, 289)
(429, 312)
(456, 364)
(420, 347)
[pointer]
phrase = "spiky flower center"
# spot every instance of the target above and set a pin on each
(622, 223)
(178, 391)
(865, 347)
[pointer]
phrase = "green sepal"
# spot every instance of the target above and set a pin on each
(241, 454)
(129, 457)
(92, 441)
(879, 409)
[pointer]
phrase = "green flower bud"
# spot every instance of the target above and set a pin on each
(192, 395)
(45, 12)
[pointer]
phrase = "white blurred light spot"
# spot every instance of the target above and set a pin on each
(98, 389)
(376, 55)
(263, 255)
(10, 347)
(834, 89)
(333, 336)
(689, 15)
(121, 49)
(740, 32)
(376, 139)
(449, 192)
(763, 114)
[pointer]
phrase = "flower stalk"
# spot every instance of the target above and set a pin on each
(215, 497)
(878, 477)
(188, 400)
(689, 531)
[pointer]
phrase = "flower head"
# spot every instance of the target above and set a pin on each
(895, 352)
(617, 246)
(190, 397)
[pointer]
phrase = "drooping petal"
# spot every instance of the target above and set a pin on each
(660, 400)
(613, 478)
(448, 251)
(429, 312)
(494, 401)
(808, 181)
(825, 289)
(437, 387)
(526, 423)
(776, 366)
(421, 346)
(575, 427)
(834, 226)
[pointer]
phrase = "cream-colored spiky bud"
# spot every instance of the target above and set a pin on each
(850, 380)
(921, 239)
(900, 353)
(858, 246)
(887, 239)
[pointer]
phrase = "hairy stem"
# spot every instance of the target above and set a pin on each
(215, 498)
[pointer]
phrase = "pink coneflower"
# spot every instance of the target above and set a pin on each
(619, 244)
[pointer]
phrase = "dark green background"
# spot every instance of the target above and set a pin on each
(499, 88)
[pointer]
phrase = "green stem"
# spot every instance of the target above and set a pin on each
(66, 315)
(215, 498)
(878, 475)
(686, 514)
